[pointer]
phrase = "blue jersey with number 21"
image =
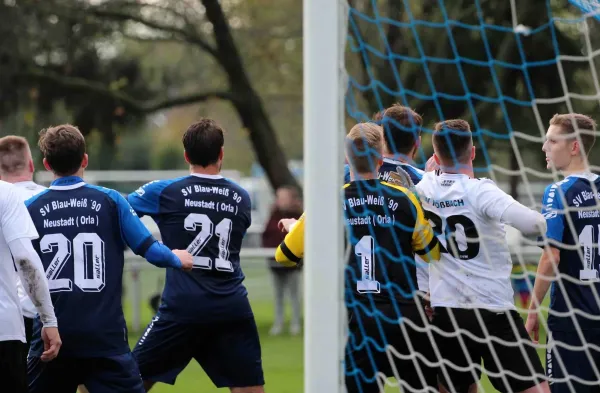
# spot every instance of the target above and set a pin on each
(207, 215)
(83, 231)
(574, 200)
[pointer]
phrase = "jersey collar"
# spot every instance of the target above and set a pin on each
(585, 175)
(67, 183)
(26, 183)
(202, 175)
(395, 162)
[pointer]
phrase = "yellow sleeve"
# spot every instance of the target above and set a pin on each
(291, 250)
(424, 242)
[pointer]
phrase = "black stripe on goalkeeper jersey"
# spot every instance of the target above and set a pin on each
(434, 242)
(397, 240)
(288, 253)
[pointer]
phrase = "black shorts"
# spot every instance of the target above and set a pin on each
(229, 352)
(28, 333)
(391, 344)
(109, 374)
(13, 367)
(500, 339)
(572, 363)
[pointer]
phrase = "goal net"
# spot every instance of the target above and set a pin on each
(505, 67)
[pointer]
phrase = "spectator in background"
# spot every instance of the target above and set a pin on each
(288, 204)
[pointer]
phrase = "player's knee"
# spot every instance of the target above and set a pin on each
(249, 389)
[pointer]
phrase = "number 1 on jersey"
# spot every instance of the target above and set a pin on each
(586, 240)
(365, 249)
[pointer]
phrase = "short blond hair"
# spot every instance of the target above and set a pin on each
(14, 154)
(364, 147)
(574, 123)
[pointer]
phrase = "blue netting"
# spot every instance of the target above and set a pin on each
(592, 6)
(506, 71)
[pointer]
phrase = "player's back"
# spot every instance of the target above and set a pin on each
(475, 265)
(381, 222)
(81, 247)
(573, 217)
(209, 216)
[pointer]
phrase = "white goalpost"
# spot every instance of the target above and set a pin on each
(323, 160)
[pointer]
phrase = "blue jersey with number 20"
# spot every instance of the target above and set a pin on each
(207, 215)
(83, 231)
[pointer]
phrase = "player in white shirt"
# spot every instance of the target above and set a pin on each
(17, 230)
(16, 167)
(471, 292)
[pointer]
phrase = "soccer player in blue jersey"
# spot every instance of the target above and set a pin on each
(206, 314)
(402, 136)
(569, 262)
(83, 231)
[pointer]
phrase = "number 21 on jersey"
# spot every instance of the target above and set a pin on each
(222, 230)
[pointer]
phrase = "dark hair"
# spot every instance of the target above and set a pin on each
(401, 128)
(573, 123)
(452, 140)
(14, 152)
(203, 141)
(63, 148)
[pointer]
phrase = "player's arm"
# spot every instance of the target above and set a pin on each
(142, 243)
(497, 205)
(18, 230)
(146, 199)
(291, 250)
(424, 242)
(548, 264)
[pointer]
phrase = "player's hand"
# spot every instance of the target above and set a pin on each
(428, 308)
(52, 343)
(431, 165)
(187, 260)
(533, 326)
(285, 223)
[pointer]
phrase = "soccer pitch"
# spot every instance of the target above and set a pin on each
(282, 355)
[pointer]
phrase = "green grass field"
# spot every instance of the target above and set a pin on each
(282, 356)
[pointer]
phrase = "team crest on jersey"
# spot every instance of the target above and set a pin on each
(400, 178)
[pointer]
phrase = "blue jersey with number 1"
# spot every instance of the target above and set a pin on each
(83, 231)
(209, 216)
(573, 217)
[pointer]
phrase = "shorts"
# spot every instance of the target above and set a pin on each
(368, 351)
(565, 364)
(13, 367)
(509, 357)
(99, 375)
(28, 334)
(228, 351)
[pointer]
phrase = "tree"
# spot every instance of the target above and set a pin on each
(200, 25)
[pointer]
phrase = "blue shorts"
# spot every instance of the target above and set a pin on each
(118, 373)
(229, 352)
(565, 364)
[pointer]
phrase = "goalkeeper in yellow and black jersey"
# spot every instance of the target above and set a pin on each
(385, 228)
